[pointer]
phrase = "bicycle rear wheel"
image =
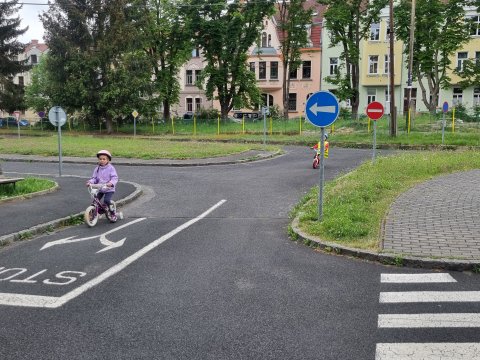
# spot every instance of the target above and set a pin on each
(90, 216)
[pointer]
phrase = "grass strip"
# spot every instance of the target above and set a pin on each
(25, 187)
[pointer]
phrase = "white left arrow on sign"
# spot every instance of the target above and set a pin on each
(102, 237)
(331, 109)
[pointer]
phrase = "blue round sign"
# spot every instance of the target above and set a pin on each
(322, 108)
(445, 107)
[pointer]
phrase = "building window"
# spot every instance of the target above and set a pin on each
(269, 40)
(197, 75)
(262, 70)
(375, 31)
(33, 59)
(189, 102)
(461, 57)
(371, 95)
(307, 70)
(476, 96)
(252, 67)
(189, 77)
(267, 100)
(198, 104)
(264, 40)
(457, 96)
(475, 30)
(386, 64)
(196, 53)
(387, 94)
(292, 102)
(477, 58)
(21, 81)
(373, 64)
(274, 70)
(333, 65)
(293, 74)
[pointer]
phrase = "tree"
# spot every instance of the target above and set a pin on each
(93, 64)
(167, 43)
(440, 30)
(11, 95)
(348, 22)
(36, 93)
(293, 20)
(224, 31)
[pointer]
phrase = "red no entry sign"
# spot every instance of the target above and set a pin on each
(375, 110)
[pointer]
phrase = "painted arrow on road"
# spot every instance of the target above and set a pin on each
(325, 109)
(102, 237)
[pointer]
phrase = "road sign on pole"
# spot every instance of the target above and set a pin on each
(375, 110)
(322, 108)
(58, 118)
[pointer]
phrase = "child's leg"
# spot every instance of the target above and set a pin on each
(107, 200)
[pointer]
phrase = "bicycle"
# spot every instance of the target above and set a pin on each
(316, 158)
(97, 208)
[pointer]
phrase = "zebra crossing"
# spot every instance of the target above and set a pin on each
(427, 350)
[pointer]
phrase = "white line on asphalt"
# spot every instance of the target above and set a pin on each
(422, 351)
(443, 320)
(417, 278)
(429, 296)
(55, 302)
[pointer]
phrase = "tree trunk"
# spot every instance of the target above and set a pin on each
(166, 110)
(109, 124)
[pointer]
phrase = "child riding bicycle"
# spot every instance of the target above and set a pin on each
(317, 147)
(105, 173)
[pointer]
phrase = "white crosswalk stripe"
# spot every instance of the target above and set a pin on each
(427, 350)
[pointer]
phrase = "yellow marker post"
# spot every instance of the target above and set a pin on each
(218, 125)
(194, 125)
(300, 132)
(271, 126)
(332, 129)
(243, 124)
(173, 126)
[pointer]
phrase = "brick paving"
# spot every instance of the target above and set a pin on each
(439, 218)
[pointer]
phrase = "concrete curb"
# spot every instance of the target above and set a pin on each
(62, 222)
(385, 258)
(248, 156)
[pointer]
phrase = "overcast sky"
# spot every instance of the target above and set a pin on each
(29, 15)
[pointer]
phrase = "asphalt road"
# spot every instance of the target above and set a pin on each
(230, 285)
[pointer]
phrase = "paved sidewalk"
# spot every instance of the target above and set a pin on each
(439, 218)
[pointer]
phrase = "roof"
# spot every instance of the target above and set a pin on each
(35, 44)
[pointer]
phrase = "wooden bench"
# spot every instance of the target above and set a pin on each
(6, 181)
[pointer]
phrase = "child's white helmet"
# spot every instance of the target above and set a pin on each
(106, 153)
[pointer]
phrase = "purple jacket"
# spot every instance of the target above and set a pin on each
(103, 175)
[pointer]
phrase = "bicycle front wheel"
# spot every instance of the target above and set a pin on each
(90, 216)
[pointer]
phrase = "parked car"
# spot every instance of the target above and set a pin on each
(253, 115)
(12, 122)
(44, 123)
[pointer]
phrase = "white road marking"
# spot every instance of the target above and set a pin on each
(442, 320)
(102, 237)
(429, 296)
(417, 278)
(375, 110)
(55, 302)
(423, 351)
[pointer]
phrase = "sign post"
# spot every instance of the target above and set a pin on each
(58, 117)
(322, 109)
(134, 114)
(374, 111)
(444, 109)
(17, 117)
(265, 112)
